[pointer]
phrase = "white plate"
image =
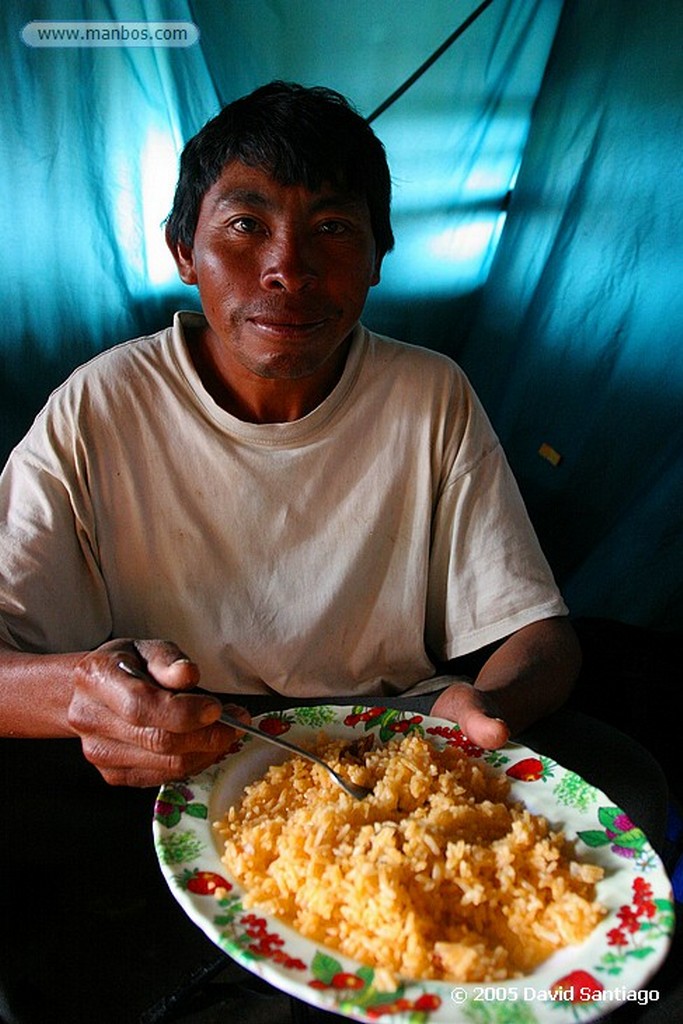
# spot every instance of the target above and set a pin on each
(581, 983)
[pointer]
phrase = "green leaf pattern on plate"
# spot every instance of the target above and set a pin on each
(573, 791)
(179, 847)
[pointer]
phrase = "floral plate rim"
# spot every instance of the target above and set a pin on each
(576, 985)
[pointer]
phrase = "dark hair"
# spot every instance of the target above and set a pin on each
(302, 136)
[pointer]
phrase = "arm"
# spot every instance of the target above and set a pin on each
(136, 733)
(527, 677)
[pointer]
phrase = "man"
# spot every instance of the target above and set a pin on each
(304, 509)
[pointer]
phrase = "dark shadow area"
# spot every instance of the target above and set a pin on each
(631, 679)
(441, 323)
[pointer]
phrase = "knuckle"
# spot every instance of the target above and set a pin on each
(83, 715)
(97, 752)
(130, 705)
(84, 673)
(76, 713)
(158, 741)
(94, 664)
(178, 766)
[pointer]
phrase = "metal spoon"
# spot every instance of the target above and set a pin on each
(354, 790)
(358, 792)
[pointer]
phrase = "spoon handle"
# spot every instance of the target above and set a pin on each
(277, 741)
(354, 790)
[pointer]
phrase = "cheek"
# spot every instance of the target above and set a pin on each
(357, 284)
(218, 280)
(352, 273)
(367, 271)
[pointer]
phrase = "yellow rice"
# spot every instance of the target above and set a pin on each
(437, 874)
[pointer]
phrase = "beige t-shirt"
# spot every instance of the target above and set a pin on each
(336, 554)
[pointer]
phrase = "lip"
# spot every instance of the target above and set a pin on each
(288, 328)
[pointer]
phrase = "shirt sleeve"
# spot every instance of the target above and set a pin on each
(52, 596)
(488, 574)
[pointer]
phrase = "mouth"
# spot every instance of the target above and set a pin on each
(288, 327)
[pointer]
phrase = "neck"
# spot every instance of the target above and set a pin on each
(255, 399)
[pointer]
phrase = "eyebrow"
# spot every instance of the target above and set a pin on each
(248, 197)
(242, 197)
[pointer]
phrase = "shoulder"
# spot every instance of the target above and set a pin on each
(426, 377)
(405, 355)
(119, 377)
(432, 394)
(118, 364)
(104, 394)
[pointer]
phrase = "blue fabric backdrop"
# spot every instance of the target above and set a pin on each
(537, 207)
(578, 340)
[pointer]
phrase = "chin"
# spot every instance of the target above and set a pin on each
(286, 368)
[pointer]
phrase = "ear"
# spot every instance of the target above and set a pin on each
(184, 260)
(376, 271)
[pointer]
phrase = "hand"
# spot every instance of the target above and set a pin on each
(527, 677)
(476, 713)
(144, 733)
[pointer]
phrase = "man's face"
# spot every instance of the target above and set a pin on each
(283, 273)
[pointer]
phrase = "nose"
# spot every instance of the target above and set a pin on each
(289, 264)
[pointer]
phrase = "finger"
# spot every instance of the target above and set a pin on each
(128, 695)
(156, 720)
(476, 713)
(124, 765)
(111, 744)
(159, 721)
(216, 738)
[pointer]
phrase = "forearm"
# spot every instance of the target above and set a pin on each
(36, 691)
(532, 673)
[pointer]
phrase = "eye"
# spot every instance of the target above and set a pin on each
(245, 225)
(333, 227)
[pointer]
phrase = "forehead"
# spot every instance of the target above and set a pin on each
(242, 186)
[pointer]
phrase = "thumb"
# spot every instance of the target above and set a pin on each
(167, 664)
(476, 713)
